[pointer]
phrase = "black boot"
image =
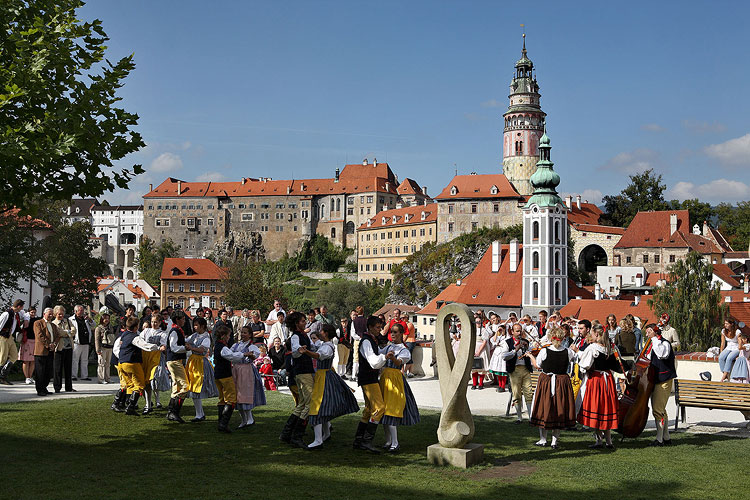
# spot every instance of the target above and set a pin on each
(224, 418)
(358, 436)
(133, 406)
(116, 402)
(121, 402)
(286, 432)
(174, 411)
(367, 438)
(298, 434)
(4, 371)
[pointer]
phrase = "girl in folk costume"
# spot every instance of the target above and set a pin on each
(246, 377)
(554, 405)
(224, 357)
(662, 359)
(597, 397)
(199, 370)
(400, 405)
(150, 359)
(497, 363)
(331, 397)
(160, 381)
(482, 353)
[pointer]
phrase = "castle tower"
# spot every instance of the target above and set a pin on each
(545, 239)
(524, 125)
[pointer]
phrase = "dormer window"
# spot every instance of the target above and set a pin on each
(454, 190)
(175, 271)
(189, 271)
(393, 219)
(493, 190)
(424, 215)
(383, 219)
(407, 217)
(369, 222)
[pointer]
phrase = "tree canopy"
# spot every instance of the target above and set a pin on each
(645, 192)
(150, 259)
(734, 223)
(60, 128)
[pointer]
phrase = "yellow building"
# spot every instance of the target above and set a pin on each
(391, 236)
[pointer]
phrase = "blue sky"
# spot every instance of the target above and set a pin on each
(295, 89)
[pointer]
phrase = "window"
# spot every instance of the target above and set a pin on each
(535, 295)
(382, 235)
(413, 248)
(382, 267)
(181, 287)
(170, 302)
(451, 208)
(368, 237)
(367, 267)
(241, 205)
(203, 287)
(279, 205)
(450, 227)
(292, 205)
(349, 211)
(279, 216)
(671, 258)
(213, 287)
(406, 248)
(368, 210)
(212, 301)
(170, 287)
(473, 225)
(295, 228)
(430, 231)
(390, 250)
(350, 201)
(390, 235)
(474, 208)
(161, 222)
(369, 199)
(657, 259)
(645, 258)
(535, 230)
(182, 222)
(414, 232)
(333, 232)
(192, 287)
(389, 266)
(382, 200)
(535, 260)
(210, 221)
(627, 260)
(398, 249)
(421, 232)
(557, 232)
(374, 251)
(496, 207)
(246, 217)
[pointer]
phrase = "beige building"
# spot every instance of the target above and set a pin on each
(391, 236)
(277, 215)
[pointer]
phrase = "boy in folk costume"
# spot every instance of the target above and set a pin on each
(199, 370)
(294, 429)
(368, 377)
(176, 355)
(400, 405)
(129, 348)
(223, 359)
(331, 397)
(554, 405)
(662, 359)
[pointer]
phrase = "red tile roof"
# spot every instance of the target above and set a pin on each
(725, 273)
(587, 214)
(414, 215)
(410, 187)
(478, 186)
(597, 228)
(202, 269)
(652, 230)
(599, 309)
(743, 254)
(652, 278)
(482, 287)
(24, 221)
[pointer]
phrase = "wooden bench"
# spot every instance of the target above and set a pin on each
(534, 380)
(706, 394)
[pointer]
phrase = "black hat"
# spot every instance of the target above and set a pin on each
(705, 376)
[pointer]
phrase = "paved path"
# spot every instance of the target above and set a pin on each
(427, 393)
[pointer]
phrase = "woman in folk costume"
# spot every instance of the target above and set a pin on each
(200, 372)
(554, 405)
(400, 405)
(160, 381)
(497, 363)
(150, 359)
(482, 353)
(331, 397)
(247, 380)
(597, 397)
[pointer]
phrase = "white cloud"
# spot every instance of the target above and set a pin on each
(493, 103)
(715, 191)
(211, 177)
(591, 195)
(633, 162)
(732, 152)
(652, 127)
(700, 127)
(166, 162)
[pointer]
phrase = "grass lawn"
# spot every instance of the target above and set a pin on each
(81, 449)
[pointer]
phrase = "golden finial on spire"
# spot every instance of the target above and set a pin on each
(523, 52)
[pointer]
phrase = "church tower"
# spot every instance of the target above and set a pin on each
(524, 125)
(545, 239)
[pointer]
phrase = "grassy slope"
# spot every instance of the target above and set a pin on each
(80, 448)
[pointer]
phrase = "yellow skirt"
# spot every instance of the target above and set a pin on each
(150, 361)
(194, 370)
(319, 387)
(392, 386)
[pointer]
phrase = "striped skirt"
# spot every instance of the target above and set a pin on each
(331, 398)
(200, 372)
(598, 400)
(161, 380)
(400, 405)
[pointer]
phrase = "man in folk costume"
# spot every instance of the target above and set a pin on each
(662, 359)
(11, 322)
(368, 377)
(130, 347)
(176, 355)
(518, 366)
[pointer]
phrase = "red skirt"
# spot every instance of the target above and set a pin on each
(599, 407)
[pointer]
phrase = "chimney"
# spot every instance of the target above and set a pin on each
(179, 187)
(424, 190)
(637, 299)
(513, 263)
(597, 292)
(746, 284)
(364, 162)
(578, 202)
(496, 256)
(374, 161)
(150, 187)
(696, 229)
(337, 174)
(288, 189)
(672, 223)
(569, 202)
(387, 187)
(705, 229)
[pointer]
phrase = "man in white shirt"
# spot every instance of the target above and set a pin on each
(279, 330)
(82, 336)
(273, 315)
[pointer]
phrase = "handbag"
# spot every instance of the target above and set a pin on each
(19, 336)
(478, 363)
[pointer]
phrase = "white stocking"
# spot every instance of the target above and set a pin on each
(519, 411)
(147, 395)
(243, 416)
(156, 397)
(198, 403)
(542, 436)
(326, 430)
(388, 438)
(249, 417)
(665, 426)
(393, 435)
(355, 369)
(318, 428)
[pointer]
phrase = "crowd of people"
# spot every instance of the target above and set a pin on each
(237, 357)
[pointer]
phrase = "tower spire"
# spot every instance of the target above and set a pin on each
(523, 51)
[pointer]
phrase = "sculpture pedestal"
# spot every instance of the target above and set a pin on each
(470, 454)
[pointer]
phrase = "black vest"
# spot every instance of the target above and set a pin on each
(222, 366)
(510, 364)
(176, 356)
(6, 331)
(556, 362)
(367, 374)
(665, 368)
(129, 352)
(302, 364)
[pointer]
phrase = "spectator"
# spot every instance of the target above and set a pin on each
(63, 362)
(257, 328)
(312, 325)
(266, 370)
(26, 352)
(273, 315)
(104, 341)
(395, 320)
(209, 318)
(730, 347)
(497, 363)
(625, 338)
(11, 322)
(541, 325)
(44, 334)
(325, 318)
(235, 320)
(611, 327)
(358, 328)
(740, 370)
(82, 335)
(279, 329)
(344, 346)
(223, 320)
(530, 329)
(519, 368)
(637, 332)
(145, 317)
(669, 334)
(277, 353)
(481, 353)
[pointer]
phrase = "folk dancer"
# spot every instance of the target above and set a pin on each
(302, 364)
(662, 359)
(247, 380)
(199, 370)
(129, 349)
(370, 363)
(176, 355)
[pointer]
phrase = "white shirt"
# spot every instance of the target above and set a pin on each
(660, 347)
(733, 343)
(233, 356)
(325, 350)
(138, 342)
(273, 315)
(243, 347)
(586, 358)
(173, 345)
(353, 333)
(375, 360)
(296, 346)
(200, 340)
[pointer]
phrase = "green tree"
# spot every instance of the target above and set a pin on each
(699, 211)
(150, 259)
(341, 297)
(692, 301)
(244, 286)
(60, 128)
(734, 223)
(21, 253)
(645, 192)
(319, 254)
(72, 280)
